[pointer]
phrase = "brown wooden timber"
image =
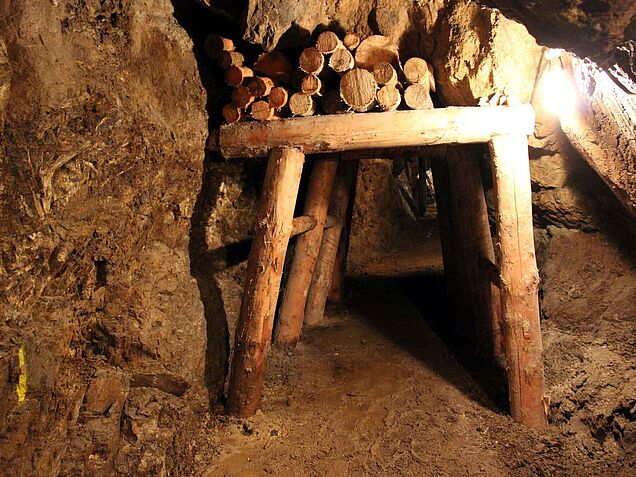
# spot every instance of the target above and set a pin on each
(417, 96)
(384, 73)
(324, 271)
(455, 125)
(388, 98)
(260, 86)
(519, 279)
(357, 89)
(278, 97)
(303, 224)
(215, 45)
(351, 40)
(264, 270)
(341, 60)
(292, 309)
(311, 61)
(235, 75)
(302, 104)
(416, 71)
(262, 111)
(242, 97)
(311, 85)
(327, 42)
(347, 174)
(375, 49)
(274, 65)
(231, 113)
(231, 58)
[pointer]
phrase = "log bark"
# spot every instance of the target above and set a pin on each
(311, 61)
(472, 232)
(303, 224)
(235, 75)
(215, 45)
(324, 271)
(274, 65)
(389, 98)
(292, 309)
(301, 104)
(341, 60)
(264, 270)
(278, 97)
(384, 73)
(347, 174)
(375, 49)
(417, 96)
(231, 113)
(416, 71)
(262, 111)
(351, 40)
(357, 89)
(328, 42)
(519, 279)
(344, 132)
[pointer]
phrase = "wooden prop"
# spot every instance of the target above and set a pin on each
(215, 45)
(417, 96)
(274, 65)
(235, 75)
(231, 58)
(231, 113)
(403, 129)
(388, 98)
(311, 61)
(416, 71)
(324, 271)
(278, 97)
(328, 42)
(384, 73)
(264, 271)
(375, 49)
(341, 60)
(351, 40)
(262, 111)
(292, 309)
(301, 104)
(357, 89)
(347, 173)
(303, 224)
(519, 279)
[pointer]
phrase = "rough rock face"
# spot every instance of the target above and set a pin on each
(104, 127)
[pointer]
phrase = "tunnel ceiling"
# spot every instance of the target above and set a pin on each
(589, 28)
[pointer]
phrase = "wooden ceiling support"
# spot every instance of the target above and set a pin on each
(505, 129)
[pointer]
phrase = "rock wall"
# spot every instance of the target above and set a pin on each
(102, 133)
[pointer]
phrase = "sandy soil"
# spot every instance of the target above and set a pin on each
(376, 392)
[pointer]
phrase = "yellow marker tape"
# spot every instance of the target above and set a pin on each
(21, 388)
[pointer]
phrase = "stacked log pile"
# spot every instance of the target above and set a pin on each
(335, 75)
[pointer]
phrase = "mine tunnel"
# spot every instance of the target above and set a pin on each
(339, 238)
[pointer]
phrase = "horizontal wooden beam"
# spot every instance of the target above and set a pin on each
(345, 132)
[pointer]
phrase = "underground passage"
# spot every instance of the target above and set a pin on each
(269, 237)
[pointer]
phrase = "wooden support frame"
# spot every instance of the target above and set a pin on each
(264, 272)
(504, 128)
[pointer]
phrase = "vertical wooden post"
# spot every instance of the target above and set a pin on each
(264, 271)
(519, 279)
(473, 232)
(323, 274)
(292, 310)
(349, 171)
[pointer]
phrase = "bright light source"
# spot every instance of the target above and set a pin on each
(558, 92)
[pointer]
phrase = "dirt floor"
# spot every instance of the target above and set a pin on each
(376, 392)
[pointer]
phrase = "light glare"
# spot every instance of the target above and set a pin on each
(559, 95)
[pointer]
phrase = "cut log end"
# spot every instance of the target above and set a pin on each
(231, 58)
(311, 85)
(328, 42)
(389, 98)
(262, 111)
(231, 113)
(375, 49)
(274, 65)
(384, 73)
(416, 71)
(417, 96)
(242, 97)
(235, 75)
(311, 61)
(341, 60)
(278, 97)
(302, 104)
(261, 86)
(215, 45)
(351, 40)
(357, 89)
